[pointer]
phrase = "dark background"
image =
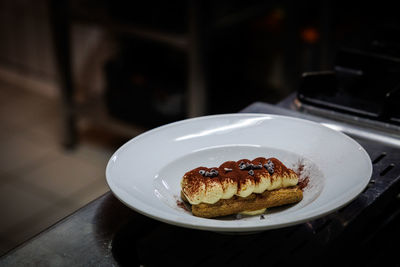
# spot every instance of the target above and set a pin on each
(246, 51)
(251, 51)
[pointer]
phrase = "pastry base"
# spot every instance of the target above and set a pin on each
(236, 204)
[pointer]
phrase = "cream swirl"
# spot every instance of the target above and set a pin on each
(241, 178)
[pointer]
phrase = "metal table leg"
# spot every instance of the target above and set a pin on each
(60, 27)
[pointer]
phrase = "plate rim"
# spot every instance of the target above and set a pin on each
(233, 228)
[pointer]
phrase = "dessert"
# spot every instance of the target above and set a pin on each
(244, 186)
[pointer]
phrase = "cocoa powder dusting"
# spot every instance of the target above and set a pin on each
(299, 169)
(193, 180)
(181, 205)
(303, 181)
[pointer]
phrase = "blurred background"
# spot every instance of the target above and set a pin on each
(80, 78)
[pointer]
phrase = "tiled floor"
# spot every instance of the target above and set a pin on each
(40, 182)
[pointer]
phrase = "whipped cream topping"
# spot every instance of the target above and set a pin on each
(236, 178)
(253, 212)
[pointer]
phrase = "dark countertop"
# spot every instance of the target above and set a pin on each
(107, 233)
(86, 232)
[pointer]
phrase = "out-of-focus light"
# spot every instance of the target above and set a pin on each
(310, 35)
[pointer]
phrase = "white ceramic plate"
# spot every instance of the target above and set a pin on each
(145, 173)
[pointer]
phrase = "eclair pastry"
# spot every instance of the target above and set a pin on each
(240, 186)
